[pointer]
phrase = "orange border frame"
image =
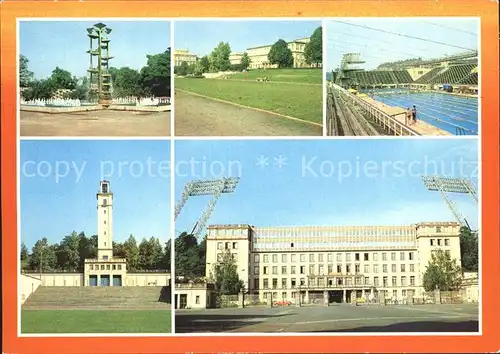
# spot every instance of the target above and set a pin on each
(486, 9)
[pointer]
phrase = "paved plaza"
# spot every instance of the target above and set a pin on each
(96, 123)
(338, 318)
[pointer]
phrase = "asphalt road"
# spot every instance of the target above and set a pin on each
(341, 318)
(199, 116)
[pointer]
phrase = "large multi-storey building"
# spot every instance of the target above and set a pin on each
(346, 261)
(235, 58)
(183, 55)
(258, 55)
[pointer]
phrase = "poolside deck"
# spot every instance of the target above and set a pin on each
(399, 114)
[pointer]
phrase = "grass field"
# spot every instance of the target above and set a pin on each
(290, 99)
(95, 321)
(310, 76)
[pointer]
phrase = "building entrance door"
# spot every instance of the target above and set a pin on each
(182, 301)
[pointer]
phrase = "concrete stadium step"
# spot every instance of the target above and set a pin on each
(94, 296)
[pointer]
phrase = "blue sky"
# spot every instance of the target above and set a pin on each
(48, 44)
(373, 182)
(201, 37)
(377, 47)
(54, 206)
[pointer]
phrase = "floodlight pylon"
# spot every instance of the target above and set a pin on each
(215, 188)
(446, 185)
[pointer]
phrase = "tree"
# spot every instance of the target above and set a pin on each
(155, 76)
(469, 252)
(202, 256)
(167, 255)
(204, 64)
(118, 250)
(126, 82)
(219, 58)
(42, 89)
(313, 51)
(280, 54)
(24, 252)
(62, 79)
(198, 69)
(187, 258)
(25, 76)
(183, 69)
(224, 276)
(245, 61)
(67, 253)
(43, 256)
(87, 247)
(150, 254)
(442, 273)
(81, 91)
(131, 253)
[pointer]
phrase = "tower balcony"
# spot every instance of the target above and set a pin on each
(93, 70)
(93, 52)
(107, 58)
(93, 35)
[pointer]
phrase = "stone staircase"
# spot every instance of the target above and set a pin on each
(99, 297)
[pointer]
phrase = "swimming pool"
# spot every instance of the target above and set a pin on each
(455, 114)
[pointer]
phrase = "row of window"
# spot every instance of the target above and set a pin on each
(396, 294)
(293, 283)
(330, 269)
(440, 242)
(334, 232)
(105, 266)
(227, 245)
(320, 257)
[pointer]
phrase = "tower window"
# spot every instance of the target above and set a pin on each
(104, 201)
(105, 232)
(104, 222)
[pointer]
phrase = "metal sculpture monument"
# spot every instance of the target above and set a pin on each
(100, 77)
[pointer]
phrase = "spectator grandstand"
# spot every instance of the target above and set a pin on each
(453, 74)
(450, 71)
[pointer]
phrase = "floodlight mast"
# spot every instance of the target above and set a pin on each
(215, 188)
(451, 185)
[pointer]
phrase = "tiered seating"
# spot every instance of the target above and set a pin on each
(382, 77)
(453, 74)
(94, 296)
(403, 77)
(427, 78)
(471, 79)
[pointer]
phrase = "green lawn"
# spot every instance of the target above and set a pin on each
(310, 76)
(299, 101)
(96, 321)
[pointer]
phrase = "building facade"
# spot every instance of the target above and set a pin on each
(258, 55)
(345, 261)
(235, 58)
(183, 55)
